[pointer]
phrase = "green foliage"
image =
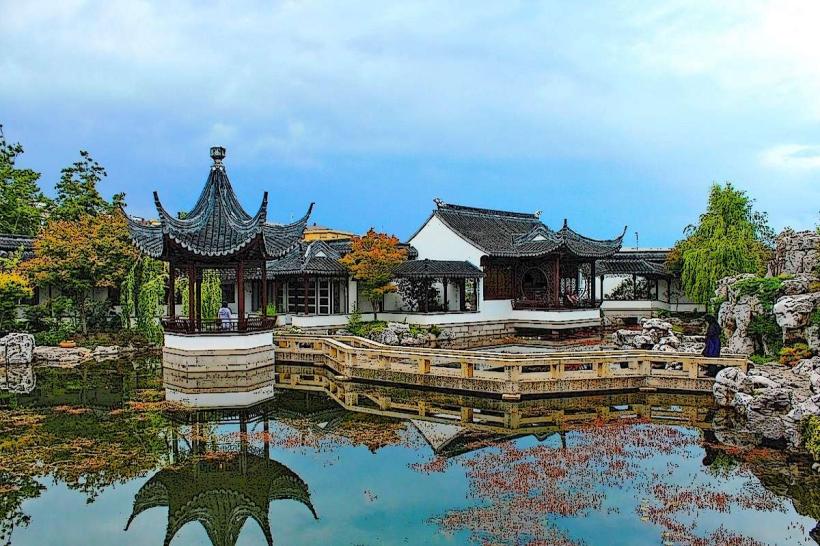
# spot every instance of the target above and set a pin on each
(13, 288)
(765, 288)
(143, 293)
(418, 293)
(814, 318)
(270, 310)
(435, 330)
(100, 316)
(22, 204)
(77, 193)
(791, 355)
(730, 238)
(811, 435)
(211, 293)
(354, 321)
(759, 359)
(59, 331)
(767, 334)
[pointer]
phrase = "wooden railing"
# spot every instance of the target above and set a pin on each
(546, 305)
(180, 325)
(496, 372)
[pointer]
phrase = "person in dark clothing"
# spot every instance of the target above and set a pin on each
(712, 337)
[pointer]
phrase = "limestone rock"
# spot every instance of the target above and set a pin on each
(807, 366)
(398, 327)
(765, 413)
(17, 348)
(796, 252)
(59, 355)
(386, 337)
(728, 382)
(656, 324)
(793, 311)
(103, 351)
(763, 382)
(813, 337)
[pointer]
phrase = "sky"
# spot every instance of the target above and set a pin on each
(605, 113)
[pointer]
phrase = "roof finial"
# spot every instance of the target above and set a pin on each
(218, 154)
(537, 214)
(438, 201)
(565, 223)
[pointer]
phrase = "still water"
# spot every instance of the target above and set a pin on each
(97, 455)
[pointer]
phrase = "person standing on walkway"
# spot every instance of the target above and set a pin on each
(712, 348)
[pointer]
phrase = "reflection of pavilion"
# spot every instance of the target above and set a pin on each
(221, 495)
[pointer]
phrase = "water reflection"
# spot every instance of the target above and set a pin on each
(488, 471)
(17, 378)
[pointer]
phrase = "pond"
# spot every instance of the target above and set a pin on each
(97, 455)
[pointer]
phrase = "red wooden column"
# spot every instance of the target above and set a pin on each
(240, 289)
(264, 288)
(557, 277)
(191, 296)
(171, 292)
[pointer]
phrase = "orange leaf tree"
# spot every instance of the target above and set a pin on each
(79, 256)
(372, 260)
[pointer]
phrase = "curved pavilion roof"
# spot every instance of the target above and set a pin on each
(518, 234)
(221, 496)
(217, 227)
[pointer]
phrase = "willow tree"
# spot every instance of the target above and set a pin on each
(729, 238)
(143, 294)
(210, 293)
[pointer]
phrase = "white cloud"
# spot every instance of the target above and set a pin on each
(799, 157)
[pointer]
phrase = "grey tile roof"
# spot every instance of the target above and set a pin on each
(630, 267)
(314, 258)
(518, 234)
(421, 269)
(217, 225)
(10, 244)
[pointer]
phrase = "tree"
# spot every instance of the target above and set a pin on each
(143, 293)
(417, 293)
(22, 204)
(372, 260)
(78, 256)
(730, 238)
(77, 192)
(13, 287)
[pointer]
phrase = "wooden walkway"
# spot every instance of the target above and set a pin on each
(510, 375)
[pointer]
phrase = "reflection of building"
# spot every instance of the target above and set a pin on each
(221, 495)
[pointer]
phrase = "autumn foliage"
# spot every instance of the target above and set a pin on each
(372, 260)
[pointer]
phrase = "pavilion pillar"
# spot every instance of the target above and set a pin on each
(240, 296)
(592, 290)
(462, 295)
(446, 282)
(275, 295)
(172, 312)
(602, 288)
(557, 277)
(191, 295)
(264, 272)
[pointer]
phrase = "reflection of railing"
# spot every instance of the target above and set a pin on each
(548, 305)
(505, 373)
(217, 326)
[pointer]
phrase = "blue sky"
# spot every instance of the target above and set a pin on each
(608, 113)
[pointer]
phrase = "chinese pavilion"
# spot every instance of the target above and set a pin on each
(216, 234)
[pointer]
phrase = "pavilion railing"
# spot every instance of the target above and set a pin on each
(183, 325)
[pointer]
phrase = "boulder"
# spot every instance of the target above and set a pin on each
(763, 382)
(814, 381)
(61, 356)
(796, 252)
(103, 351)
(385, 337)
(728, 382)
(813, 337)
(765, 413)
(792, 312)
(807, 366)
(17, 348)
(800, 284)
(398, 327)
(656, 324)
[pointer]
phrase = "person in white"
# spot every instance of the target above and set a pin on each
(224, 315)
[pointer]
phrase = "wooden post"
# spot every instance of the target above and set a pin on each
(191, 295)
(592, 291)
(445, 282)
(264, 304)
(240, 289)
(172, 312)
(657, 289)
(462, 295)
(557, 278)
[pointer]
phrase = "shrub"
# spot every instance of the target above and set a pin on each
(767, 334)
(58, 332)
(354, 321)
(757, 360)
(811, 435)
(790, 356)
(435, 330)
(765, 288)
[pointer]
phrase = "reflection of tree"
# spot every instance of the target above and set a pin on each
(56, 431)
(221, 493)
